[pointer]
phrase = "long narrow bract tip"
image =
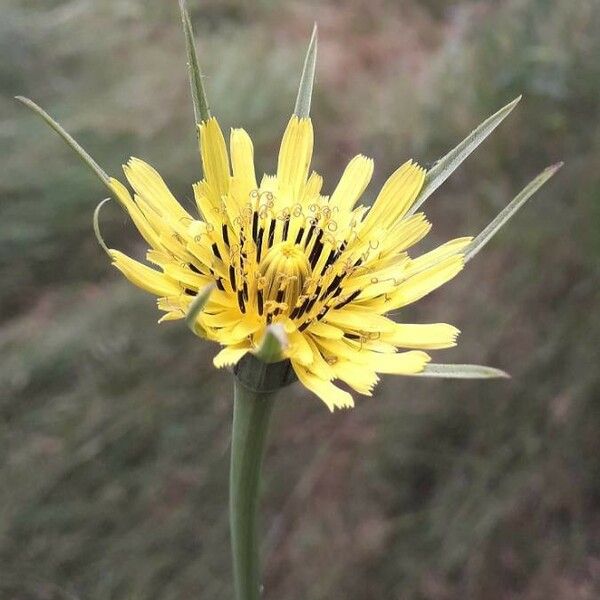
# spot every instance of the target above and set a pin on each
(508, 211)
(199, 99)
(305, 90)
(68, 139)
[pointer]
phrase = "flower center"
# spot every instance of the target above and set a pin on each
(284, 271)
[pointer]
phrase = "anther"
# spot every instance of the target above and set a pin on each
(254, 226)
(240, 299)
(286, 227)
(260, 302)
(271, 233)
(225, 233)
(349, 299)
(232, 277)
(215, 250)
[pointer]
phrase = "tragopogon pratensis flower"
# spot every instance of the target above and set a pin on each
(325, 267)
(275, 256)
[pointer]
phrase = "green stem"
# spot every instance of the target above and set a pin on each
(251, 415)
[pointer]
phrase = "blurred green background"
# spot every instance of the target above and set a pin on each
(114, 432)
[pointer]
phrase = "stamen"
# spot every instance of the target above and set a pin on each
(232, 277)
(333, 285)
(240, 299)
(331, 258)
(255, 227)
(316, 251)
(260, 304)
(259, 242)
(215, 250)
(271, 233)
(323, 313)
(286, 227)
(311, 232)
(349, 299)
(225, 234)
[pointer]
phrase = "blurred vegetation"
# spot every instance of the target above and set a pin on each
(114, 432)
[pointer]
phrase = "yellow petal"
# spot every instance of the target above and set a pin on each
(404, 234)
(144, 227)
(426, 281)
(319, 366)
(230, 355)
(294, 157)
(325, 330)
(353, 183)
(299, 349)
(225, 318)
(215, 162)
(431, 336)
(185, 275)
(438, 254)
(360, 379)
(152, 189)
(343, 349)
(248, 325)
(396, 196)
(242, 159)
(209, 207)
(143, 276)
(359, 319)
(333, 396)
(312, 188)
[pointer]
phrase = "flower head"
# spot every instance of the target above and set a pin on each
(278, 257)
(326, 268)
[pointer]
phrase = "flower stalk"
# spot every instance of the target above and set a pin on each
(251, 416)
(255, 388)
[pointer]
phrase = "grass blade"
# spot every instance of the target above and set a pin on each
(462, 372)
(201, 108)
(70, 141)
(488, 233)
(302, 108)
(451, 161)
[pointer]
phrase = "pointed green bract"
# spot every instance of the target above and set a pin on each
(196, 308)
(96, 224)
(71, 142)
(488, 233)
(201, 108)
(462, 372)
(444, 167)
(302, 108)
(272, 345)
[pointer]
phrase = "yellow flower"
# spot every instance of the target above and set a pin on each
(327, 269)
(279, 260)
